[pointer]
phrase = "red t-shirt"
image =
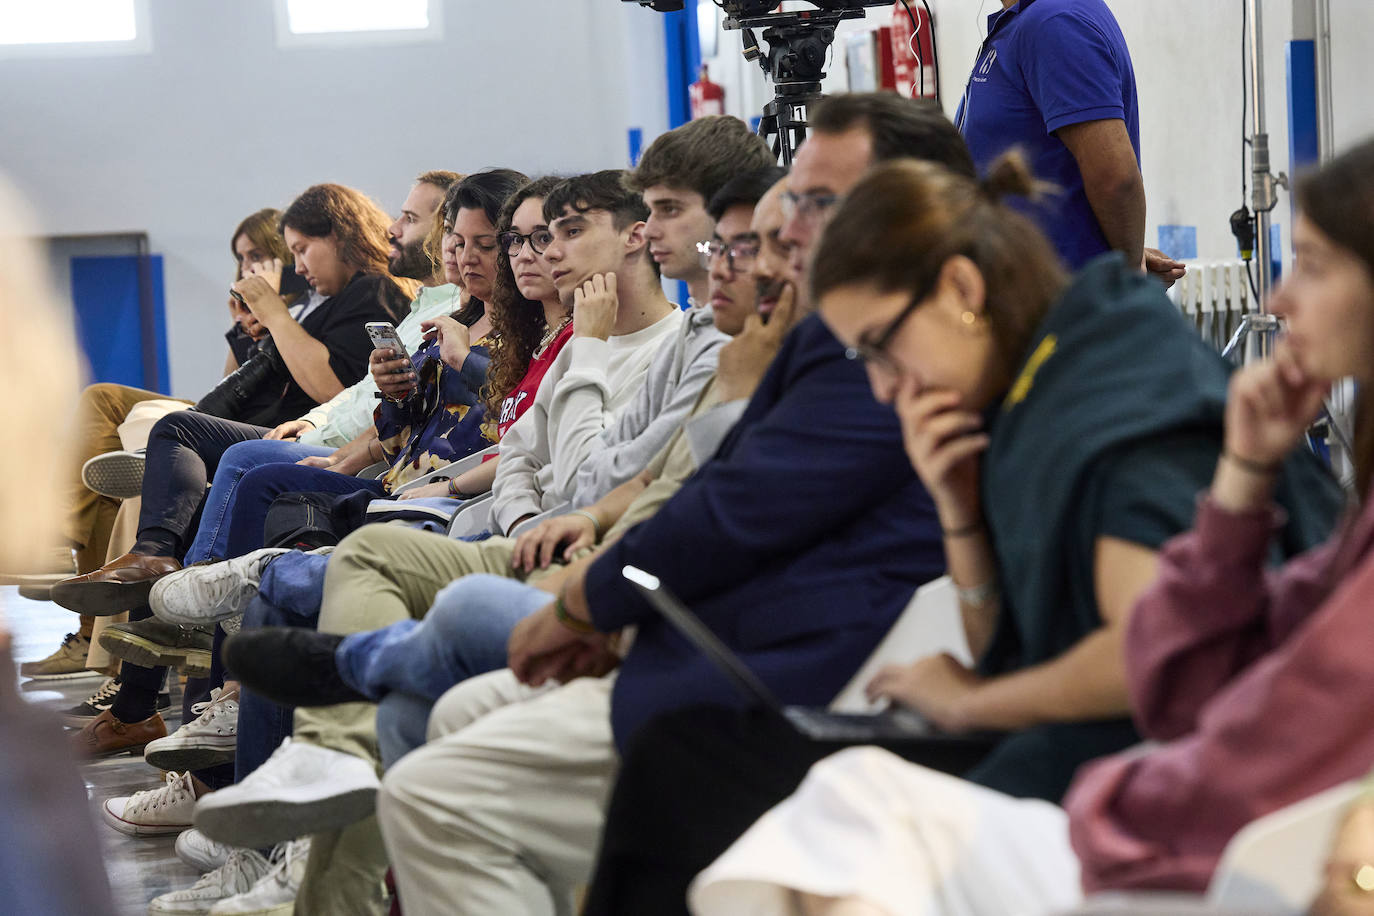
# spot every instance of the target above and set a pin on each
(522, 396)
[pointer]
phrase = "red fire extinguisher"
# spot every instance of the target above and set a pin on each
(913, 61)
(707, 98)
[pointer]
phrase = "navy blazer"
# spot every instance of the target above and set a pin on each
(799, 544)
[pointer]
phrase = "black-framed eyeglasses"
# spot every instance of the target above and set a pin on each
(808, 207)
(740, 254)
(512, 242)
(873, 351)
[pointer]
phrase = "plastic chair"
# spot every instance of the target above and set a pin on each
(529, 523)
(1272, 867)
(473, 517)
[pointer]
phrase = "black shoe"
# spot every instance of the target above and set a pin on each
(103, 699)
(290, 666)
(154, 643)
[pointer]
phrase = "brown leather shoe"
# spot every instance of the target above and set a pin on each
(120, 585)
(105, 735)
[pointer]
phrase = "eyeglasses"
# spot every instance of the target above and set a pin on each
(874, 352)
(739, 254)
(513, 242)
(808, 207)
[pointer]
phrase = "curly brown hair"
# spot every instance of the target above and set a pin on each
(517, 323)
(357, 224)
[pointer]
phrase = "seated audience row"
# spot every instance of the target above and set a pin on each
(884, 375)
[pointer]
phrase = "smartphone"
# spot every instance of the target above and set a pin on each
(384, 335)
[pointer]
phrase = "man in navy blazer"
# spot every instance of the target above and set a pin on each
(799, 542)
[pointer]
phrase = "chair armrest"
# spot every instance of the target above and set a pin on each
(448, 471)
(529, 523)
(372, 471)
(473, 517)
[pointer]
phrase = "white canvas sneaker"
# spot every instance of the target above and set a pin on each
(301, 790)
(239, 873)
(153, 812)
(275, 893)
(207, 593)
(203, 742)
(200, 852)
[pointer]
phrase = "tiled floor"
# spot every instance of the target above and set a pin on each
(139, 868)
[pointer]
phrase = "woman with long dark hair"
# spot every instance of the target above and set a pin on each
(1254, 682)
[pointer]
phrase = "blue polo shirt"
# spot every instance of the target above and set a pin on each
(1047, 64)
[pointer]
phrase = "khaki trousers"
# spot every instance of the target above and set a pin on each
(502, 812)
(378, 575)
(100, 412)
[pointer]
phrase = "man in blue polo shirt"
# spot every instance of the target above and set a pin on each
(1054, 77)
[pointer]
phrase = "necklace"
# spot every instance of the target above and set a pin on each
(550, 334)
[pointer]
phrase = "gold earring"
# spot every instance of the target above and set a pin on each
(969, 318)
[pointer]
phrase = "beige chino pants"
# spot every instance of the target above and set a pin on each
(502, 811)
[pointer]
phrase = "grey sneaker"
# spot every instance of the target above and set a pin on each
(276, 891)
(154, 643)
(243, 869)
(204, 594)
(115, 474)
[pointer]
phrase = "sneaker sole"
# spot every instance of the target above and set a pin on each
(201, 617)
(114, 474)
(128, 828)
(260, 824)
(148, 654)
(196, 757)
(101, 599)
(64, 676)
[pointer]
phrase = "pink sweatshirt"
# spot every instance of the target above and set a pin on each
(1260, 684)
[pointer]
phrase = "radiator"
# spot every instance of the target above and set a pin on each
(1214, 296)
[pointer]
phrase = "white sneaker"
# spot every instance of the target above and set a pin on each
(200, 852)
(302, 789)
(203, 742)
(207, 593)
(240, 872)
(275, 893)
(117, 474)
(153, 812)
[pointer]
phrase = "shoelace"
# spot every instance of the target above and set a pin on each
(177, 788)
(105, 694)
(234, 874)
(282, 858)
(218, 700)
(69, 639)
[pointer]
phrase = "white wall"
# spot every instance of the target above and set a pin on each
(217, 121)
(1188, 72)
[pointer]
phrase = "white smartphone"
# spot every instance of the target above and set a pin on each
(384, 335)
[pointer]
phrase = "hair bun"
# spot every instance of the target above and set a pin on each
(1010, 175)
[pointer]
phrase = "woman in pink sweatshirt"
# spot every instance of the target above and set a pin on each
(1258, 685)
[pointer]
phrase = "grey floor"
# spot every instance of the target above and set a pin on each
(139, 868)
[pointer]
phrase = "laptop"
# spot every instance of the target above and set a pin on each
(816, 722)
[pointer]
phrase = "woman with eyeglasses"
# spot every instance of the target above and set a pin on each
(1063, 426)
(1254, 681)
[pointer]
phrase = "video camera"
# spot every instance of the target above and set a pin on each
(737, 8)
(798, 45)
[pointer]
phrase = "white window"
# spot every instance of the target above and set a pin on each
(63, 27)
(325, 22)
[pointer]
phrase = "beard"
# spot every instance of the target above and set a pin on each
(411, 262)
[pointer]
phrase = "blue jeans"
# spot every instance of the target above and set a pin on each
(260, 486)
(407, 666)
(263, 724)
(237, 460)
(294, 582)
